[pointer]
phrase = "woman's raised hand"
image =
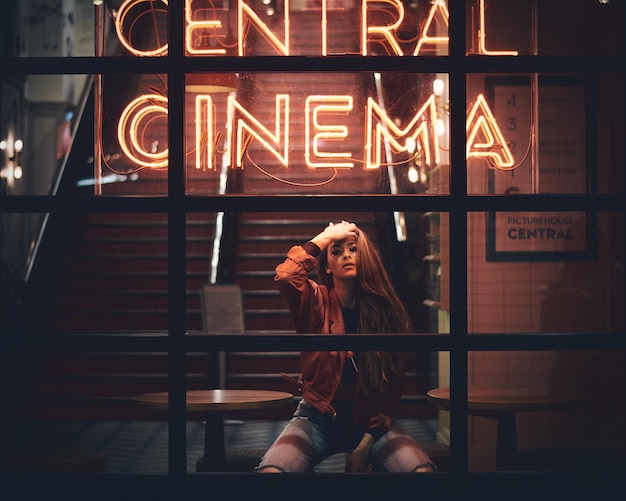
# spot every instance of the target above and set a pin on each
(341, 231)
(336, 232)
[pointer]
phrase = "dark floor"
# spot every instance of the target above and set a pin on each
(141, 447)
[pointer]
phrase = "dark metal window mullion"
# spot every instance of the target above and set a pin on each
(458, 242)
(177, 444)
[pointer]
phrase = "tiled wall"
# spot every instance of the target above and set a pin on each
(526, 297)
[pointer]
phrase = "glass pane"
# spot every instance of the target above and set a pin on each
(84, 28)
(86, 412)
(216, 28)
(542, 410)
(43, 129)
(248, 432)
(48, 29)
(596, 28)
(268, 133)
(134, 28)
(100, 273)
(576, 148)
(316, 28)
(231, 261)
(545, 272)
(134, 151)
(552, 27)
(22, 231)
(74, 445)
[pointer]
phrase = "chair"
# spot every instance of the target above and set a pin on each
(222, 312)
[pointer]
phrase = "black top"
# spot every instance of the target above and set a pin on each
(352, 327)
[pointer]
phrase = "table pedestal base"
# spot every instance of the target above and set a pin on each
(214, 449)
(506, 448)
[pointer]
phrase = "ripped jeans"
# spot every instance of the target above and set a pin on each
(312, 436)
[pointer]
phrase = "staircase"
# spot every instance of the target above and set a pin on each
(114, 275)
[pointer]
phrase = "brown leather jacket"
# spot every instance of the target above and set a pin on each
(316, 310)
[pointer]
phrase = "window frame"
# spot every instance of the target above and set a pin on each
(457, 203)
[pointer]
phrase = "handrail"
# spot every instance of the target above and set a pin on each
(398, 217)
(36, 242)
(220, 223)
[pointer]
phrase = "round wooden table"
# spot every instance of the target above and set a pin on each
(503, 405)
(212, 405)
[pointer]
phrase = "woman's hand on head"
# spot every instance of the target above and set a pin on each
(341, 231)
(335, 232)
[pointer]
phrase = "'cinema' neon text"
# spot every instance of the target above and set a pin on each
(480, 123)
(325, 133)
(317, 132)
(418, 133)
(241, 120)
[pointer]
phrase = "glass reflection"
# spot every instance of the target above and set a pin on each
(527, 27)
(285, 133)
(541, 283)
(243, 249)
(138, 28)
(95, 273)
(532, 410)
(544, 134)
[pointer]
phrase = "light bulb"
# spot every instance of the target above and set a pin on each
(438, 87)
(410, 145)
(440, 127)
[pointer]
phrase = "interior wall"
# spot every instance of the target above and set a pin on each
(552, 296)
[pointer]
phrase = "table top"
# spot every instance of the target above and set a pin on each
(220, 400)
(507, 399)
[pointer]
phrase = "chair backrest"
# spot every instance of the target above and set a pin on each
(222, 309)
(222, 313)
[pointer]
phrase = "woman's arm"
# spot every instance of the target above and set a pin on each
(359, 459)
(299, 291)
(376, 411)
(305, 304)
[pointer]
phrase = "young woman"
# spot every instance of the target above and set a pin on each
(348, 398)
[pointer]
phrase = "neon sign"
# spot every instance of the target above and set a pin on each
(326, 127)
(142, 110)
(480, 122)
(316, 133)
(433, 31)
(241, 120)
(484, 138)
(418, 132)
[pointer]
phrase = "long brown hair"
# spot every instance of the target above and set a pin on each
(379, 311)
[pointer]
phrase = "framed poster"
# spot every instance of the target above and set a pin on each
(565, 145)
